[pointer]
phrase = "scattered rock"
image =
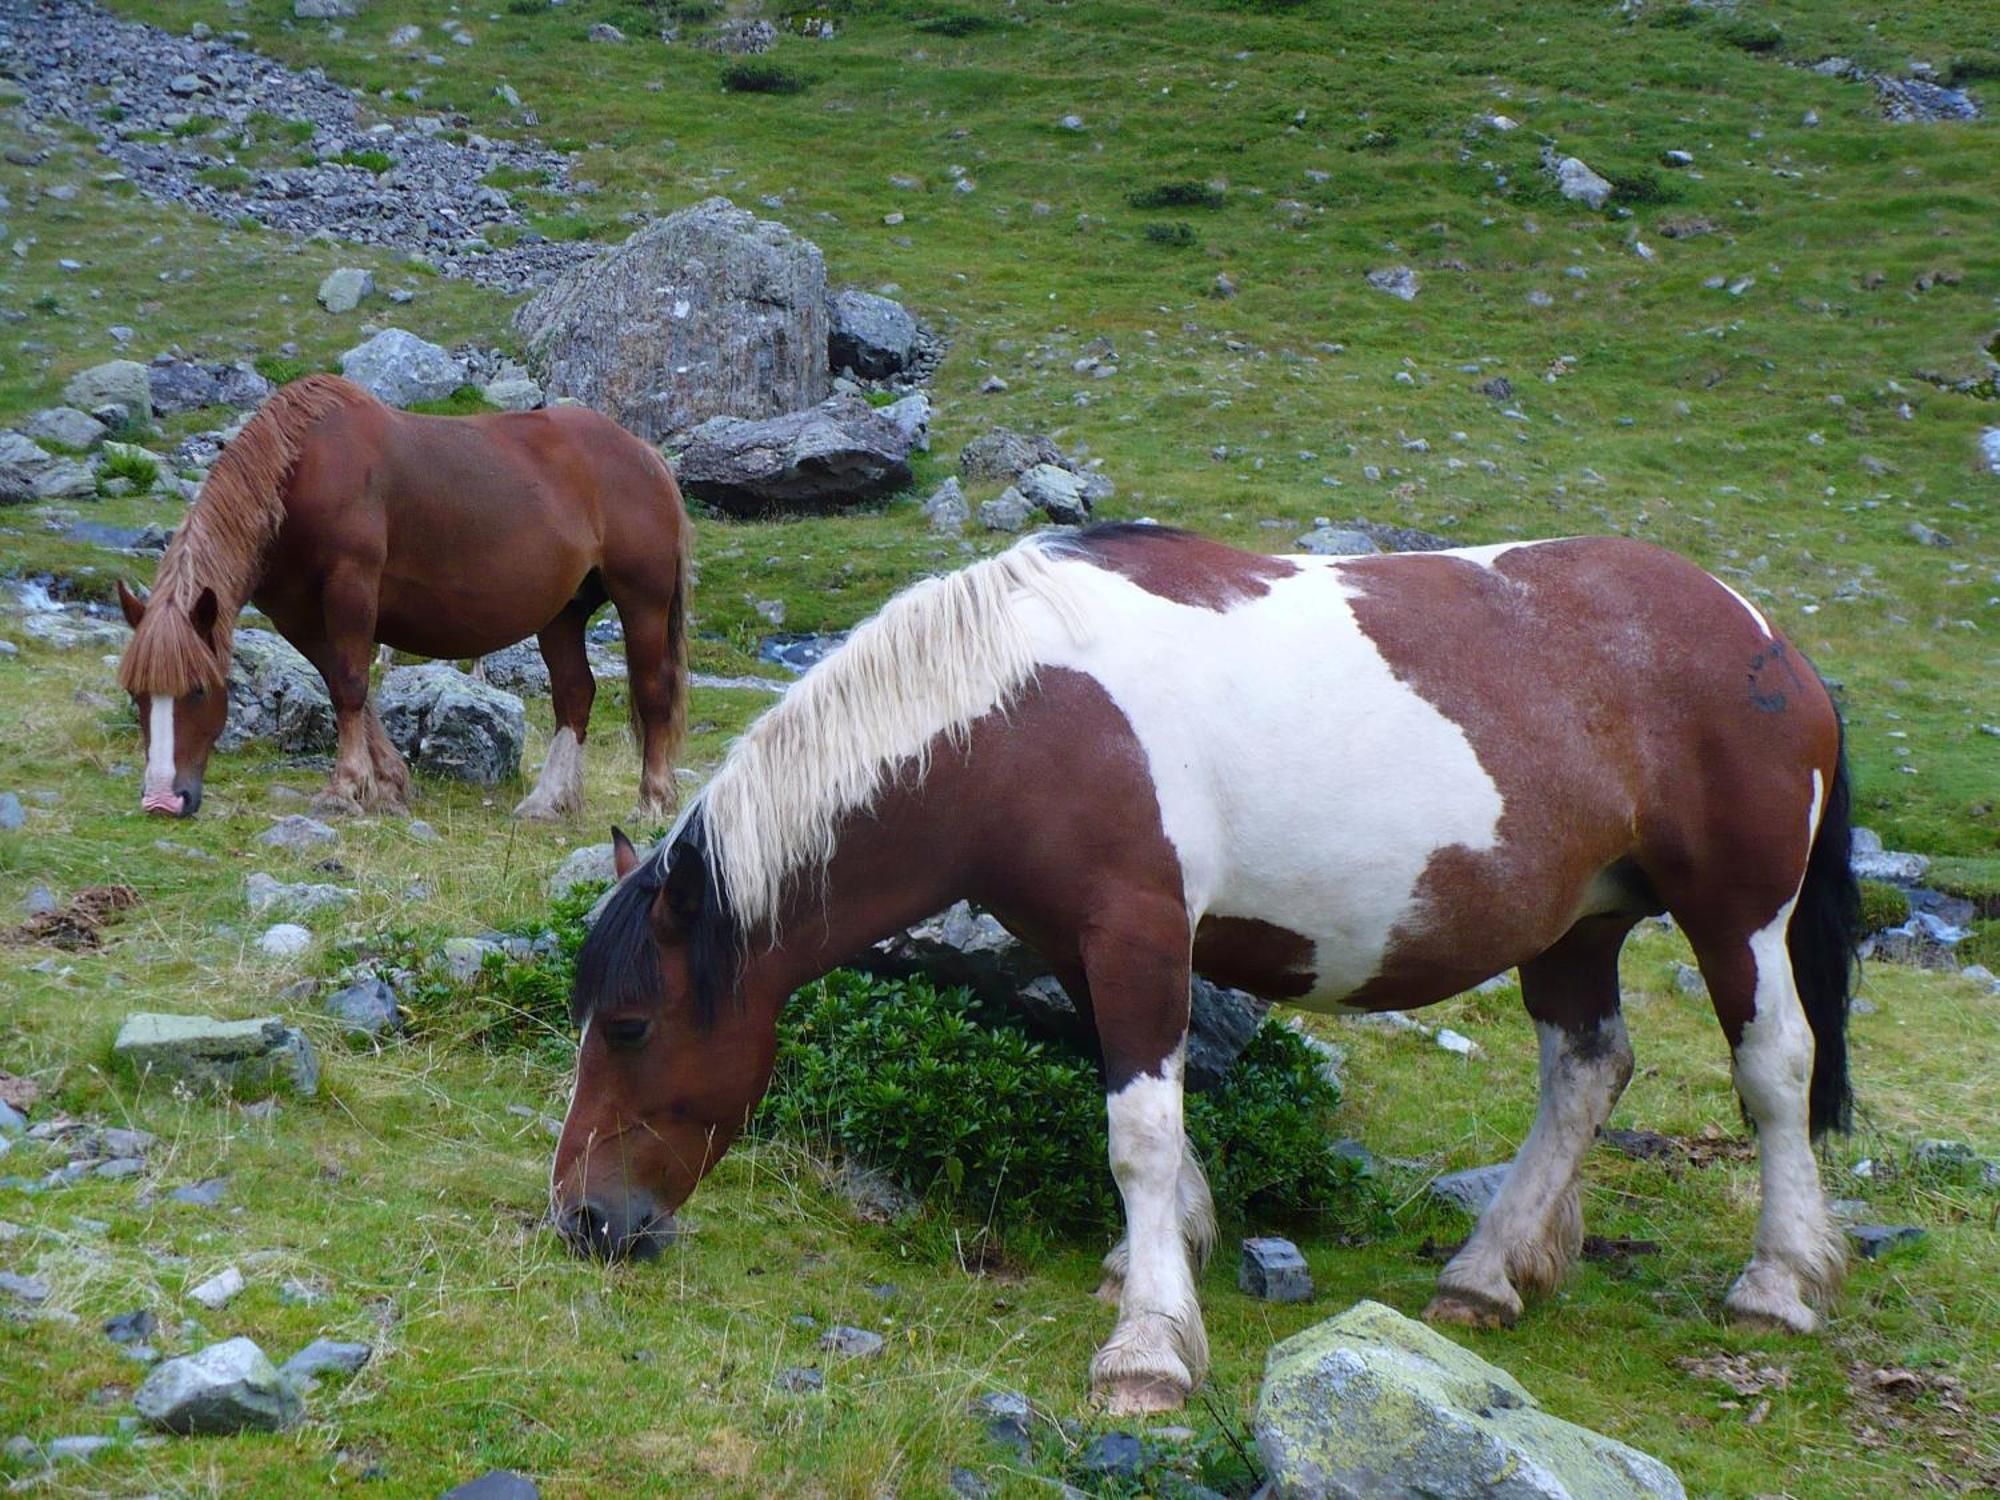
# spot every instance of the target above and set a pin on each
(1009, 511)
(367, 1008)
(604, 31)
(276, 697)
(1337, 541)
(204, 1194)
(1872, 1241)
(322, 1355)
(1870, 861)
(67, 426)
(590, 865)
(852, 1343)
(711, 288)
(800, 1380)
(448, 725)
(187, 385)
(1005, 454)
(1398, 281)
(122, 383)
(1274, 1271)
(32, 1290)
(1581, 185)
(1114, 1455)
(326, 10)
(1917, 101)
(263, 894)
(911, 416)
(1372, 1403)
(514, 393)
(345, 289)
(1056, 492)
(495, 1484)
(836, 454)
(946, 510)
(233, 1056)
(298, 833)
(227, 1387)
(873, 336)
(284, 940)
(1456, 1042)
(220, 1289)
(875, 1198)
(1473, 1188)
(398, 367)
(1989, 449)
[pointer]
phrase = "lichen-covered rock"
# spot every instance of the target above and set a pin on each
(445, 723)
(946, 509)
(1373, 1404)
(276, 696)
(1581, 185)
(398, 367)
(839, 453)
(122, 383)
(227, 1387)
(708, 312)
(233, 1056)
(1057, 493)
(67, 426)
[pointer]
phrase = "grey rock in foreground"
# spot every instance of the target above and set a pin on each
(1472, 1189)
(712, 289)
(589, 865)
(852, 1343)
(398, 367)
(1398, 281)
(873, 336)
(367, 1008)
(964, 945)
(1372, 1404)
(836, 454)
(1581, 185)
(122, 383)
(1873, 1241)
(323, 1355)
(1273, 1270)
(233, 1056)
(946, 509)
(227, 1387)
(345, 289)
(495, 1484)
(276, 697)
(447, 724)
(67, 426)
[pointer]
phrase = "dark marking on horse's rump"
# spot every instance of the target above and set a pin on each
(1764, 696)
(1177, 565)
(1246, 953)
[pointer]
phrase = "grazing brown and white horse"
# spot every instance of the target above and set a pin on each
(348, 523)
(1346, 783)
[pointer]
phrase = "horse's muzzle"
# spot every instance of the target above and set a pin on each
(182, 802)
(635, 1229)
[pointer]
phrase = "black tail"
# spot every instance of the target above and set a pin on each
(1825, 927)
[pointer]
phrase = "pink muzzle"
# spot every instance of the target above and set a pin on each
(161, 802)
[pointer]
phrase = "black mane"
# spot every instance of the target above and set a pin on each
(619, 963)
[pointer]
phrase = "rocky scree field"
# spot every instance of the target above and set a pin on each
(1260, 266)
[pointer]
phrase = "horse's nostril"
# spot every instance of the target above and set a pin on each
(591, 1231)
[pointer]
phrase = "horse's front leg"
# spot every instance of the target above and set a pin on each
(1138, 982)
(368, 774)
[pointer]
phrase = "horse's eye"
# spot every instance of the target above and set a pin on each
(627, 1031)
(198, 695)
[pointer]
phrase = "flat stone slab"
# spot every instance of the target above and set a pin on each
(324, 1355)
(1373, 1404)
(227, 1387)
(254, 1056)
(1273, 1270)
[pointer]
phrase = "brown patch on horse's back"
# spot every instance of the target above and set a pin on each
(1179, 565)
(1247, 953)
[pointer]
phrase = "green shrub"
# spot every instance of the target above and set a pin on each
(279, 370)
(1642, 186)
(1882, 905)
(224, 177)
(758, 77)
(1751, 36)
(1185, 193)
(1972, 67)
(1974, 877)
(961, 1104)
(377, 162)
(138, 470)
(1982, 947)
(528, 7)
(1179, 234)
(1677, 17)
(195, 125)
(958, 23)
(466, 401)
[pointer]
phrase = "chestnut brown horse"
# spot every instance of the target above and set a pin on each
(1346, 783)
(348, 522)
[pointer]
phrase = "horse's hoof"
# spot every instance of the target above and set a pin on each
(1139, 1395)
(531, 811)
(1749, 1309)
(1471, 1310)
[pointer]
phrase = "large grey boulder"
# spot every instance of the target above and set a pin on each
(67, 426)
(345, 289)
(227, 1387)
(119, 382)
(1003, 453)
(708, 312)
(965, 946)
(1579, 184)
(445, 723)
(276, 696)
(873, 336)
(1371, 1404)
(188, 385)
(232, 1056)
(1057, 493)
(836, 454)
(398, 367)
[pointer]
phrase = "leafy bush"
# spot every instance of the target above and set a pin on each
(224, 177)
(195, 125)
(958, 23)
(377, 162)
(1882, 905)
(279, 370)
(1186, 193)
(1972, 67)
(136, 469)
(1642, 186)
(961, 1104)
(762, 78)
(1179, 234)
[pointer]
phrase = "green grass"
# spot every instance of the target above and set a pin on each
(1763, 434)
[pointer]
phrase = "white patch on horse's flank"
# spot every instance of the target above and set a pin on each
(1798, 1256)
(1159, 1332)
(1299, 780)
(160, 746)
(1492, 552)
(1755, 613)
(939, 655)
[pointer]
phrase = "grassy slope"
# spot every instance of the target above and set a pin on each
(414, 1192)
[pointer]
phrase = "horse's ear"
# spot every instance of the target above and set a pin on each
(624, 858)
(686, 886)
(132, 604)
(206, 608)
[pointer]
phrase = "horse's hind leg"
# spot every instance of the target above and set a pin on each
(559, 791)
(1533, 1231)
(656, 690)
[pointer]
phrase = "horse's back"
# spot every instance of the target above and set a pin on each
(1432, 763)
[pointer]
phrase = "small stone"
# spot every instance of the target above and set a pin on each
(80, 1449)
(67, 426)
(225, 1388)
(284, 940)
(1471, 1189)
(852, 1343)
(264, 894)
(1872, 1241)
(1009, 512)
(495, 1484)
(298, 833)
(1274, 1271)
(1458, 1042)
(345, 289)
(970, 1486)
(1581, 185)
(946, 510)
(13, 817)
(32, 1290)
(800, 1379)
(322, 1355)
(592, 864)
(1925, 536)
(1398, 281)
(220, 1289)
(398, 367)
(1677, 158)
(514, 393)
(367, 1008)
(1688, 980)
(206, 1194)
(1057, 492)
(604, 31)
(1117, 1455)
(134, 1327)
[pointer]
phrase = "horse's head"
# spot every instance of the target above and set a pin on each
(173, 672)
(669, 1066)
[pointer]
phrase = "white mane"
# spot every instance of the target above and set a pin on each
(938, 656)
